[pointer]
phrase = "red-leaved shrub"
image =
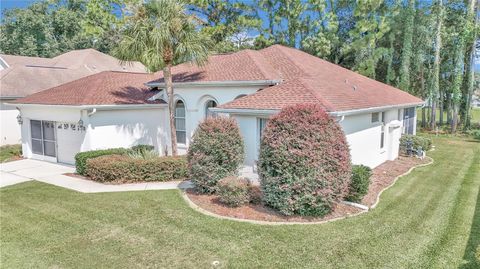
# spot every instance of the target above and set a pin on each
(304, 163)
(216, 152)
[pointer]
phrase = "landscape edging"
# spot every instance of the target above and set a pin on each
(260, 222)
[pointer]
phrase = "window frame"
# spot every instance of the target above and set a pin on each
(175, 117)
(207, 111)
(42, 138)
(382, 132)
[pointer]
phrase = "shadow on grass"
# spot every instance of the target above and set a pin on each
(472, 251)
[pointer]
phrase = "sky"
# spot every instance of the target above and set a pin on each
(8, 4)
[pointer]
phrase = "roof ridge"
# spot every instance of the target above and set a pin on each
(259, 65)
(320, 98)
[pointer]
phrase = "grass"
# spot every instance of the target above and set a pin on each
(9, 152)
(429, 219)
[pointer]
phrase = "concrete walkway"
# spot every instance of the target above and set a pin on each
(53, 173)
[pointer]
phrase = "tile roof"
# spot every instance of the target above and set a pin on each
(104, 88)
(27, 75)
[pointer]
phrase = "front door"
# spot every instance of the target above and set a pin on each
(44, 145)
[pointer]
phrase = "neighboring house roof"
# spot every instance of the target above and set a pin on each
(104, 88)
(294, 77)
(28, 75)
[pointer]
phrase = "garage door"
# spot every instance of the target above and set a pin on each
(70, 137)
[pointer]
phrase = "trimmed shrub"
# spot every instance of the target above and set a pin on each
(216, 152)
(418, 141)
(304, 163)
(143, 148)
(121, 168)
(359, 184)
(233, 191)
(82, 157)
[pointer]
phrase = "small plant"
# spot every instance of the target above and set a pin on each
(255, 195)
(416, 141)
(359, 184)
(140, 148)
(233, 191)
(304, 163)
(216, 152)
(143, 154)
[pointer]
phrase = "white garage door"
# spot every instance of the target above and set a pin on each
(70, 137)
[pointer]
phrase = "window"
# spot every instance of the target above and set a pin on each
(208, 105)
(43, 137)
(382, 136)
(261, 125)
(180, 122)
(375, 117)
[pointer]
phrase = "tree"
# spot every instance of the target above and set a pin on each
(472, 26)
(160, 34)
(404, 73)
(436, 65)
(226, 22)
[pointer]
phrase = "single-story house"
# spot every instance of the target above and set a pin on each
(113, 109)
(21, 76)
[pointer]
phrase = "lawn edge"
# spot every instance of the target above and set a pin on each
(260, 222)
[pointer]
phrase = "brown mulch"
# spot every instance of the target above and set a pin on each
(383, 176)
(260, 212)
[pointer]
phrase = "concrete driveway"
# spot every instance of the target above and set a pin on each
(26, 170)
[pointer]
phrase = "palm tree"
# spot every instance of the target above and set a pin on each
(160, 34)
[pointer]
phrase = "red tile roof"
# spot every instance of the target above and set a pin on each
(104, 88)
(311, 79)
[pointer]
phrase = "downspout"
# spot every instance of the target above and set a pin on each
(341, 119)
(93, 112)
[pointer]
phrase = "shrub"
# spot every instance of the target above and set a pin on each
(143, 154)
(255, 194)
(121, 168)
(304, 163)
(82, 157)
(215, 152)
(359, 184)
(143, 148)
(417, 141)
(233, 191)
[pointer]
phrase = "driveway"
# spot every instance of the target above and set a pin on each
(26, 170)
(53, 173)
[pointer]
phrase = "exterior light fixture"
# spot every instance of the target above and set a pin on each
(80, 123)
(19, 119)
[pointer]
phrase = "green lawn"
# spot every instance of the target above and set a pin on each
(429, 219)
(9, 151)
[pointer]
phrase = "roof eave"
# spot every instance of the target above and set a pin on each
(228, 83)
(98, 107)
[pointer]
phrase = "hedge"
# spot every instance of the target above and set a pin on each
(82, 157)
(418, 142)
(304, 163)
(121, 168)
(216, 152)
(359, 184)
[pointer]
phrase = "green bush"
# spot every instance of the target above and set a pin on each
(304, 163)
(418, 142)
(143, 148)
(216, 152)
(122, 168)
(359, 184)
(233, 191)
(82, 157)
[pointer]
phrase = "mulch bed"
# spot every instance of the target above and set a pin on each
(383, 176)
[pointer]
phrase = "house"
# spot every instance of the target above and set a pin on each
(21, 76)
(113, 109)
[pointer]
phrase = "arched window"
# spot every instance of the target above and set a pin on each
(240, 96)
(180, 122)
(208, 105)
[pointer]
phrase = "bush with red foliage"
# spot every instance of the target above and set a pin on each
(304, 163)
(217, 151)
